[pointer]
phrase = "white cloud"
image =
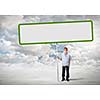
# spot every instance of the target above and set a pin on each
(82, 53)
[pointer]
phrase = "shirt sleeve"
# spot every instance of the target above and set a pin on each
(70, 57)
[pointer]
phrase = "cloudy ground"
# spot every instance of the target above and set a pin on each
(36, 64)
(29, 74)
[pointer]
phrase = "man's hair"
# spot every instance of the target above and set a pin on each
(66, 48)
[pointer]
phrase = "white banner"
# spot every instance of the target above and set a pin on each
(53, 32)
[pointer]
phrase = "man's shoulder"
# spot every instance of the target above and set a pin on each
(66, 55)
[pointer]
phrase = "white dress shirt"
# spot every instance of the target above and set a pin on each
(66, 59)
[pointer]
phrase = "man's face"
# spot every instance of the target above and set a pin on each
(65, 51)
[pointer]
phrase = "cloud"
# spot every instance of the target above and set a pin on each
(12, 52)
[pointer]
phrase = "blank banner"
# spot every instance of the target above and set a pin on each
(55, 32)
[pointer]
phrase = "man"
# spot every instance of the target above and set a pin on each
(66, 58)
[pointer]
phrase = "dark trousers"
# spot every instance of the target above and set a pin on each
(65, 68)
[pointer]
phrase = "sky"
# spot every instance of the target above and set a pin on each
(12, 53)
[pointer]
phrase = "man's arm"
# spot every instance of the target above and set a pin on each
(69, 59)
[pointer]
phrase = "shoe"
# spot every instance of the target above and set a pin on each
(67, 79)
(63, 80)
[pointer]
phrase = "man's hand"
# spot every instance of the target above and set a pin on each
(59, 58)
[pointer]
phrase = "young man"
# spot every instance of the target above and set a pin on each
(66, 58)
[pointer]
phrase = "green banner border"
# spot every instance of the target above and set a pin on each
(56, 23)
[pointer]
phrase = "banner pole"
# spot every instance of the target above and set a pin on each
(57, 65)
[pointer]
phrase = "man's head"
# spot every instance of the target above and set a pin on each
(65, 50)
